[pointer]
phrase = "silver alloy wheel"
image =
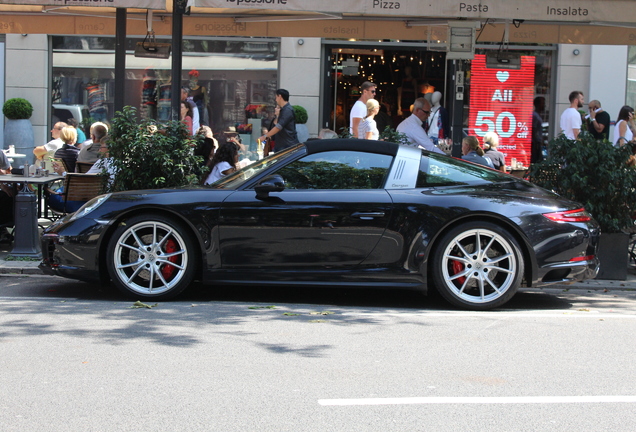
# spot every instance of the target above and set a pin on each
(479, 266)
(150, 258)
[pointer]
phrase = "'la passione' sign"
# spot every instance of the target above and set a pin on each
(137, 4)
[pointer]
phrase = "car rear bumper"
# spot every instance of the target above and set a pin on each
(568, 272)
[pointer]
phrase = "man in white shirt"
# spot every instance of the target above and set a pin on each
(571, 118)
(359, 109)
(412, 126)
(55, 144)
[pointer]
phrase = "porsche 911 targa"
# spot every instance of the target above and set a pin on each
(339, 213)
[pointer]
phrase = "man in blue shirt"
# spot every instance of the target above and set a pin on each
(285, 128)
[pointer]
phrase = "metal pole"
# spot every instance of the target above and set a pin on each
(120, 58)
(177, 51)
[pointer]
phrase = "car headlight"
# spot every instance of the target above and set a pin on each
(89, 207)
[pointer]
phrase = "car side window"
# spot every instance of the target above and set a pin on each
(337, 170)
(445, 171)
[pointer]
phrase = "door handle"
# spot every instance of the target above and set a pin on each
(367, 215)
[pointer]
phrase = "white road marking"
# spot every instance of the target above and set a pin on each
(565, 313)
(478, 400)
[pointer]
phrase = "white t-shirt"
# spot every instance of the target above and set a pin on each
(617, 134)
(217, 172)
(359, 110)
(570, 120)
(368, 125)
(53, 145)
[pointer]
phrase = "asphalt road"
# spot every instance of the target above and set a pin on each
(77, 357)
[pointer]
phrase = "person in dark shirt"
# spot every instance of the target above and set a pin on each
(537, 130)
(285, 129)
(68, 152)
(599, 121)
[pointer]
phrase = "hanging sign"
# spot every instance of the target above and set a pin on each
(136, 4)
(501, 101)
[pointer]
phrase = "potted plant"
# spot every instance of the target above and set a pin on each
(300, 116)
(595, 174)
(18, 130)
(148, 155)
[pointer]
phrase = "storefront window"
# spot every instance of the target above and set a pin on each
(232, 81)
(401, 75)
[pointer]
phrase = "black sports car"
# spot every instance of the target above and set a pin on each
(334, 213)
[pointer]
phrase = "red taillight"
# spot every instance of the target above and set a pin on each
(578, 215)
(583, 258)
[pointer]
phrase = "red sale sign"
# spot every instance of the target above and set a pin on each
(501, 102)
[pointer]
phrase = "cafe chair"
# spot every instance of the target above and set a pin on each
(78, 188)
(82, 167)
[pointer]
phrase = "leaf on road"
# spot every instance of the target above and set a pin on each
(583, 310)
(322, 313)
(140, 305)
(291, 314)
(262, 307)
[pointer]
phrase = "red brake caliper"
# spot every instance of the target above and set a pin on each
(458, 267)
(168, 270)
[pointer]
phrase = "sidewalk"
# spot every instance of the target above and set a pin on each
(31, 268)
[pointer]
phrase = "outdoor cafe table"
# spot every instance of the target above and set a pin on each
(27, 208)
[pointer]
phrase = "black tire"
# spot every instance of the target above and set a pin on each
(477, 278)
(151, 257)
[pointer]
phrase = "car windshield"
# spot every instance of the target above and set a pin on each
(235, 180)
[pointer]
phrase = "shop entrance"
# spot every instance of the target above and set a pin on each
(401, 74)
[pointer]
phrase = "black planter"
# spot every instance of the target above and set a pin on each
(614, 257)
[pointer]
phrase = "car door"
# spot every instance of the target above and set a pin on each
(331, 215)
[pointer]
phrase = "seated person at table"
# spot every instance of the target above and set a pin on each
(224, 162)
(472, 152)
(69, 151)
(90, 149)
(55, 198)
(6, 201)
(50, 147)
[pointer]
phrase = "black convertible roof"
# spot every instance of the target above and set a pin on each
(371, 146)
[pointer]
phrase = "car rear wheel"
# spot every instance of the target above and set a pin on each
(151, 257)
(477, 266)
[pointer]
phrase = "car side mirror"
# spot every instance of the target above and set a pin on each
(272, 183)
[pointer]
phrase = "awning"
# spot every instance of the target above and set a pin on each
(584, 11)
(137, 4)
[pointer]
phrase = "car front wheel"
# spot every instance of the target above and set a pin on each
(477, 266)
(151, 257)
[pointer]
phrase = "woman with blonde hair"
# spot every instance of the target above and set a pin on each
(68, 152)
(368, 128)
(472, 152)
(491, 141)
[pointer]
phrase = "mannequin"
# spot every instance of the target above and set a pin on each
(96, 97)
(164, 104)
(149, 94)
(199, 95)
(437, 123)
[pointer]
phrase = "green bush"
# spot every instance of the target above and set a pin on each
(17, 109)
(300, 114)
(593, 173)
(148, 155)
(391, 135)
